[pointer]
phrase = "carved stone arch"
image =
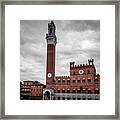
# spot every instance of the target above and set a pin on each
(48, 94)
(78, 97)
(89, 97)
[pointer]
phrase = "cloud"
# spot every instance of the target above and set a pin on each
(81, 25)
(77, 41)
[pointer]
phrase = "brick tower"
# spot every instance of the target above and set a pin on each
(51, 43)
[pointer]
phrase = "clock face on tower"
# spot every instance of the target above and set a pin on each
(81, 72)
(49, 75)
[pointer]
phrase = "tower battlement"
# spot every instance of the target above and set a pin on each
(90, 63)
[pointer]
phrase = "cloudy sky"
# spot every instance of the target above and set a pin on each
(76, 41)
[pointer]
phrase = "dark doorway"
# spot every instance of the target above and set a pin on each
(47, 95)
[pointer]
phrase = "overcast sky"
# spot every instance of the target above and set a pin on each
(76, 41)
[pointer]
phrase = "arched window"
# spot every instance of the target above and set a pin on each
(73, 91)
(68, 81)
(96, 81)
(96, 98)
(89, 98)
(89, 91)
(78, 81)
(63, 91)
(58, 98)
(89, 80)
(63, 98)
(78, 98)
(83, 90)
(97, 92)
(83, 97)
(59, 81)
(83, 81)
(74, 98)
(88, 71)
(63, 81)
(68, 90)
(58, 91)
(74, 81)
(78, 90)
(68, 98)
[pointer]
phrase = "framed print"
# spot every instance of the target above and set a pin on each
(60, 60)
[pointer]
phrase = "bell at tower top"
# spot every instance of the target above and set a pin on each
(50, 36)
